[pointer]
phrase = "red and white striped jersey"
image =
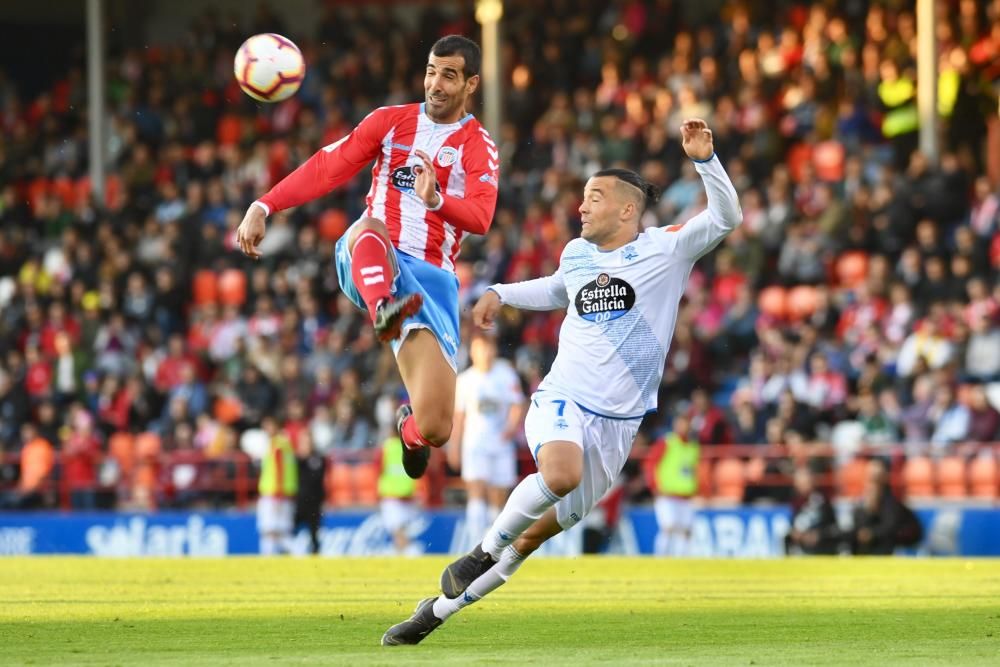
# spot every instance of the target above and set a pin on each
(466, 162)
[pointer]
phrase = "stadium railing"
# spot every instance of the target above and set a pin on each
(126, 478)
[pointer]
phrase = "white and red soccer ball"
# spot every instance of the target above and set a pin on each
(269, 67)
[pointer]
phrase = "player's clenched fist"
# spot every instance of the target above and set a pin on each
(484, 313)
(697, 139)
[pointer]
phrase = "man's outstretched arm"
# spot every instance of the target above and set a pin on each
(330, 167)
(703, 232)
(547, 293)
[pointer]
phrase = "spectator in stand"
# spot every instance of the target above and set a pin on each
(350, 432)
(707, 421)
(951, 419)
(879, 429)
(881, 522)
(37, 460)
(81, 452)
(982, 361)
(984, 420)
(814, 529)
(926, 343)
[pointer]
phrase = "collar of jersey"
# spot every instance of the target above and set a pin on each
(461, 121)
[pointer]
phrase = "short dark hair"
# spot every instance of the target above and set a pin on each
(457, 45)
(650, 191)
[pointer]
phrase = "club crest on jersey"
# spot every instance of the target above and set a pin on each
(403, 179)
(447, 156)
(604, 299)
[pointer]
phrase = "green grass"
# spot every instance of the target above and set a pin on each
(585, 611)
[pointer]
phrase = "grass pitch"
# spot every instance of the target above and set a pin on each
(592, 610)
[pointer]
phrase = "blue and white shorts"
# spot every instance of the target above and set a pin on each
(438, 286)
(605, 441)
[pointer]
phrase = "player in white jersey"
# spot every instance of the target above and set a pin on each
(621, 288)
(489, 407)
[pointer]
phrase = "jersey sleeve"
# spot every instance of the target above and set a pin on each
(331, 166)
(703, 232)
(473, 212)
(547, 293)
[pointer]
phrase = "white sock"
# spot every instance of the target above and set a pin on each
(662, 544)
(489, 581)
(527, 503)
(268, 546)
(475, 520)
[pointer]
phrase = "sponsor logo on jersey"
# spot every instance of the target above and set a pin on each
(604, 299)
(404, 179)
(629, 253)
(447, 156)
(489, 178)
(401, 147)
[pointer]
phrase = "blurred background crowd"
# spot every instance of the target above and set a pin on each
(857, 308)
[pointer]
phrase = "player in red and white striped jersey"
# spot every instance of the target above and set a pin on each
(434, 181)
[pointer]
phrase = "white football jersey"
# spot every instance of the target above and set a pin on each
(486, 400)
(621, 305)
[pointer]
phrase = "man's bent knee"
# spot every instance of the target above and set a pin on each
(367, 224)
(434, 426)
(561, 480)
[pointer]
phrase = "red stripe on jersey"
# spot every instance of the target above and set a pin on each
(405, 129)
(433, 248)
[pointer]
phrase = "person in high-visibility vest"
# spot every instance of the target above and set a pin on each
(396, 490)
(672, 474)
(279, 482)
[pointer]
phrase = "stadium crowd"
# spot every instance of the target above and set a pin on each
(859, 303)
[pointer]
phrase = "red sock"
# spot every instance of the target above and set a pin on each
(411, 435)
(370, 269)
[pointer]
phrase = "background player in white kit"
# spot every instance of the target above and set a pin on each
(489, 406)
(621, 288)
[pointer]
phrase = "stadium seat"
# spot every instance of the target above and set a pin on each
(984, 477)
(951, 477)
(828, 160)
(366, 477)
(704, 479)
(773, 301)
(121, 447)
(227, 409)
(340, 485)
(730, 480)
(851, 478)
(232, 287)
(205, 287)
(852, 268)
(332, 224)
(147, 446)
(918, 476)
(801, 302)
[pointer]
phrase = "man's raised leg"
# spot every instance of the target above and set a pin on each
(372, 273)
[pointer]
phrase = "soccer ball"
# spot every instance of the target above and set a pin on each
(269, 67)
